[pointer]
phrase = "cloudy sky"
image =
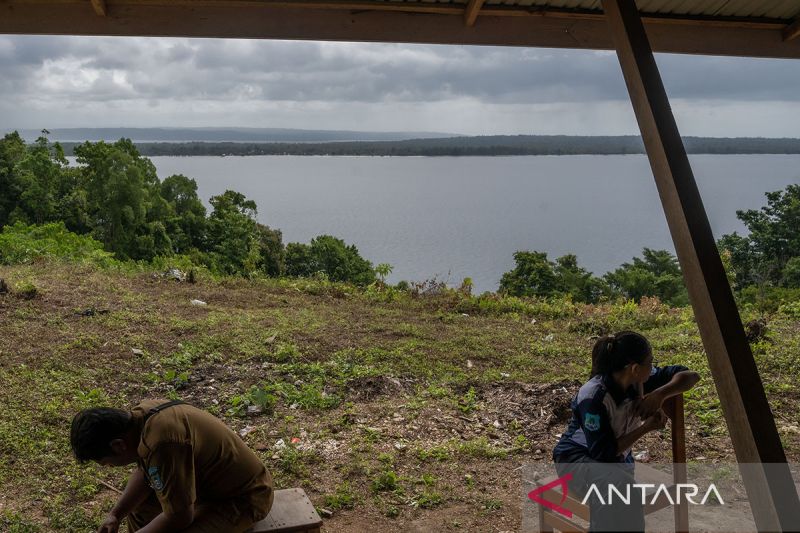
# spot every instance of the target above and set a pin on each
(55, 82)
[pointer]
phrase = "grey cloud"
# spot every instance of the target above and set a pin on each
(108, 71)
(731, 78)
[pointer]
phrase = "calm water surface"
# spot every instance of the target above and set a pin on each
(456, 217)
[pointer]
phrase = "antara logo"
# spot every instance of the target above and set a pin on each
(536, 495)
(675, 494)
(688, 490)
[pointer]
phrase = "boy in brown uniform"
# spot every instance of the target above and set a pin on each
(194, 473)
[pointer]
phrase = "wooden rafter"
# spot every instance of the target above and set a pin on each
(387, 22)
(792, 31)
(444, 9)
(771, 491)
(471, 13)
(99, 7)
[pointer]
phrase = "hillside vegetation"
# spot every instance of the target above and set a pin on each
(488, 145)
(391, 409)
(407, 406)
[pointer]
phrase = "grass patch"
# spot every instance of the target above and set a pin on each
(481, 448)
(342, 498)
(298, 351)
(385, 481)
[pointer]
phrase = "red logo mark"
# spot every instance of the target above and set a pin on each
(535, 495)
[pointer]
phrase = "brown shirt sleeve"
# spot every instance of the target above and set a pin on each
(170, 471)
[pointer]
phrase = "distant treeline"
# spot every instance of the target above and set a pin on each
(252, 135)
(112, 206)
(494, 145)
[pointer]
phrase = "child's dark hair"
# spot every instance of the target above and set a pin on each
(93, 430)
(615, 352)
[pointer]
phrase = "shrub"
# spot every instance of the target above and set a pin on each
(791, 273)
(495, 304)
(305, 396)
(469, 402)
(791, 309)
(21, 243)
(765, 256)
(535, 275)
(768, 299)
(427, 500)
(657, 273)
(343, 498)
(256, 396)
(192, 265)
(331, 256)
(385, 481)
(26, 290)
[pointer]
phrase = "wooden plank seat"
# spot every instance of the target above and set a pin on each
(550, 521)
(291, 511)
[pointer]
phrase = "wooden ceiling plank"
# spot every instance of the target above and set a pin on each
(792, 31)
(471, 13)
(267, 20)
(515, 10)
(99, 7)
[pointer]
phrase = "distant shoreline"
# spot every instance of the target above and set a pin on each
(499, 145)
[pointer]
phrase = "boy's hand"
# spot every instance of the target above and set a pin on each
(110, 524)
(657, 421)
(647, 406)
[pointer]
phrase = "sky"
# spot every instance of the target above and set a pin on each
(59, 82)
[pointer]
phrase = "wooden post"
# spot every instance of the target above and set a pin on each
(679, 474)
(752, 429)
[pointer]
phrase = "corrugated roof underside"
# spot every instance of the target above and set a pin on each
(768, 9)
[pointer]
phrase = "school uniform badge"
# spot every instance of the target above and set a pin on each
(591, 422)
(155, 478)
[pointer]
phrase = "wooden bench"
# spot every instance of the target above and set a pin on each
(550, 521)
(291, 511)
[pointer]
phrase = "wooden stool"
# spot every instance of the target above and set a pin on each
(291, 511)
(550, 521)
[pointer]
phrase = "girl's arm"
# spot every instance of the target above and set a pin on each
(680, 383)
(654, 422)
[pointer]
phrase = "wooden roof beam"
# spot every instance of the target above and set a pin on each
(771, 491)
(792, 31)
(471, 13)
(99, 7)
(287, 20)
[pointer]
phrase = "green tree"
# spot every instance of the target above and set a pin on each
(533, 275)
(742, 261)
(231, 236)
(123, 200)
(774, 239)
(32, 179)
(299, 262)
(579, 282)
(115, 195)
(12, 151)
(791, 273)
(331, 256)
(271, 252)
(383, 270)
(73, 206)
(186, 221)
(656, 273)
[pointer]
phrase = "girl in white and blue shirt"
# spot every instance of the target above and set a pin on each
(619, 404)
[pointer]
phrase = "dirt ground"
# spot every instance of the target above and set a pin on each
(406, 415)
